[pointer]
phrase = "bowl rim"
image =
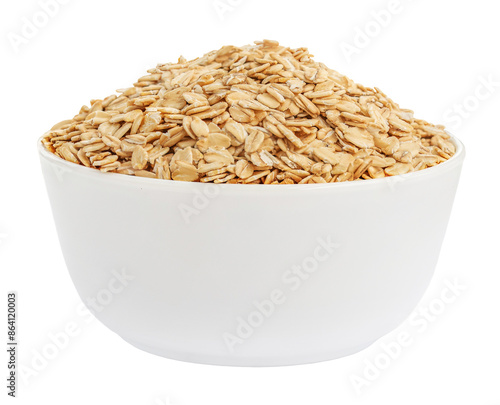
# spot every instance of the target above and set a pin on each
(454, 161)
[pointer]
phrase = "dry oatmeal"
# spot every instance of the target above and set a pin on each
(263, 114)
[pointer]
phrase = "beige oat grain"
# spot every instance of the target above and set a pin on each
(260, 114)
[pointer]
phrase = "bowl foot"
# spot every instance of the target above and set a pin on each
(254, 361)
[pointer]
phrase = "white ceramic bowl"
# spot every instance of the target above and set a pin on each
(250, 275)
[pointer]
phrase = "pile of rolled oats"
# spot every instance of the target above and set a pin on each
(254, 114)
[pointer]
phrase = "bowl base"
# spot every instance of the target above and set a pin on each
(254, 361)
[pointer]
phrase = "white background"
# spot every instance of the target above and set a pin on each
(430, 56)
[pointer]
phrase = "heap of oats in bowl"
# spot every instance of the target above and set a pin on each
(261, 114)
